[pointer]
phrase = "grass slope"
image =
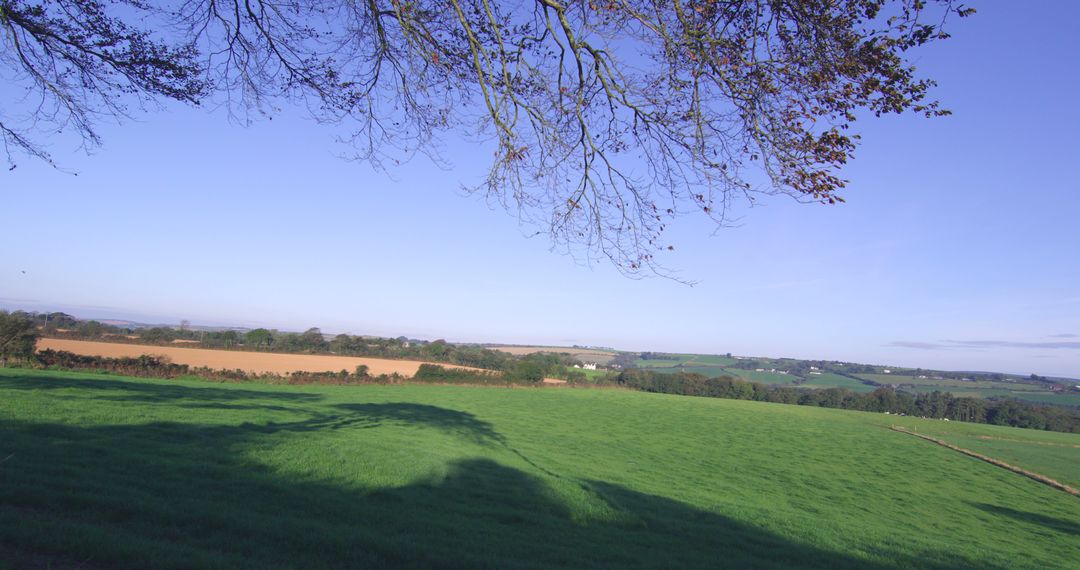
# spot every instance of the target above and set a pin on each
(106, 471)
(1054, 454)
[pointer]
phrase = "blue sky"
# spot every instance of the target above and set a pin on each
(958, 247)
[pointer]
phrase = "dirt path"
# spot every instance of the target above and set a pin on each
(258, 362)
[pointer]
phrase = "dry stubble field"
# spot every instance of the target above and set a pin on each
(258, 362)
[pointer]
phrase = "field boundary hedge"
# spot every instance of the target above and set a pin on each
(996, 462)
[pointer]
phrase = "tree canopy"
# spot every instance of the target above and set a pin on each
(18, 336)
(608, 119)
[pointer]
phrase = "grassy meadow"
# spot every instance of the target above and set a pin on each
(711, 366)
(831, 380)
(102, 471)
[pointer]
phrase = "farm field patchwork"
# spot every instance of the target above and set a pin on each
(712, 366)
(109, 471)
(583, 354)
(259, 362)
(944, 383)
(977, 388)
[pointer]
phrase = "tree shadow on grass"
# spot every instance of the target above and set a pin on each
(172, 495)
(1052, 523)
(454, 422)
(106, 388)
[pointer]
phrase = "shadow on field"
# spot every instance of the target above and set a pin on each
(176, 495)
(1056, 524)
(121, 390)
(454, 422)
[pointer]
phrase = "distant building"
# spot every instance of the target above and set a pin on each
(886, 371)
(590, 366)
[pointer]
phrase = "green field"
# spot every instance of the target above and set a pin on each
(682, 360)
(763, 377)
(978, 389)
(830, 380)
(1053, 454)
(709, 360)
(1047, 397)
(1068, 399)
(946, 383)
(102, 471)
(712, 366)
(715, 371)
(593, 375)
(710, 371)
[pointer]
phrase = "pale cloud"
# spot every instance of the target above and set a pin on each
(984, 344)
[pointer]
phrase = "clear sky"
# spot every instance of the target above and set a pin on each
(959, 246)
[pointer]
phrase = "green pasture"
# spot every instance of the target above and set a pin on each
(1061, 399)
(830, 380)
(1041, 397)
(708, 360)
(1054, 454)
(947, 385)
(102, 471)
(593, 375)
(687, 360)
(716, 371)
(763, 377)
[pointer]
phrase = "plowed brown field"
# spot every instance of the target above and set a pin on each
(258, 362)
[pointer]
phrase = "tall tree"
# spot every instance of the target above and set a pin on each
(18, 336)
(608, 119)
(258, 338)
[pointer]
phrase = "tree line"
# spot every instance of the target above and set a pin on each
(530, 368)
(937, 405)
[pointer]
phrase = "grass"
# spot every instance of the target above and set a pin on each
(593, 375)
(715, 370)
(107, 471)
(764, 377)
(830, 380)
(1061, 399)
(709, 360)
(947, 384)
(682, 360)
(657, 363)
(1054, 454)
